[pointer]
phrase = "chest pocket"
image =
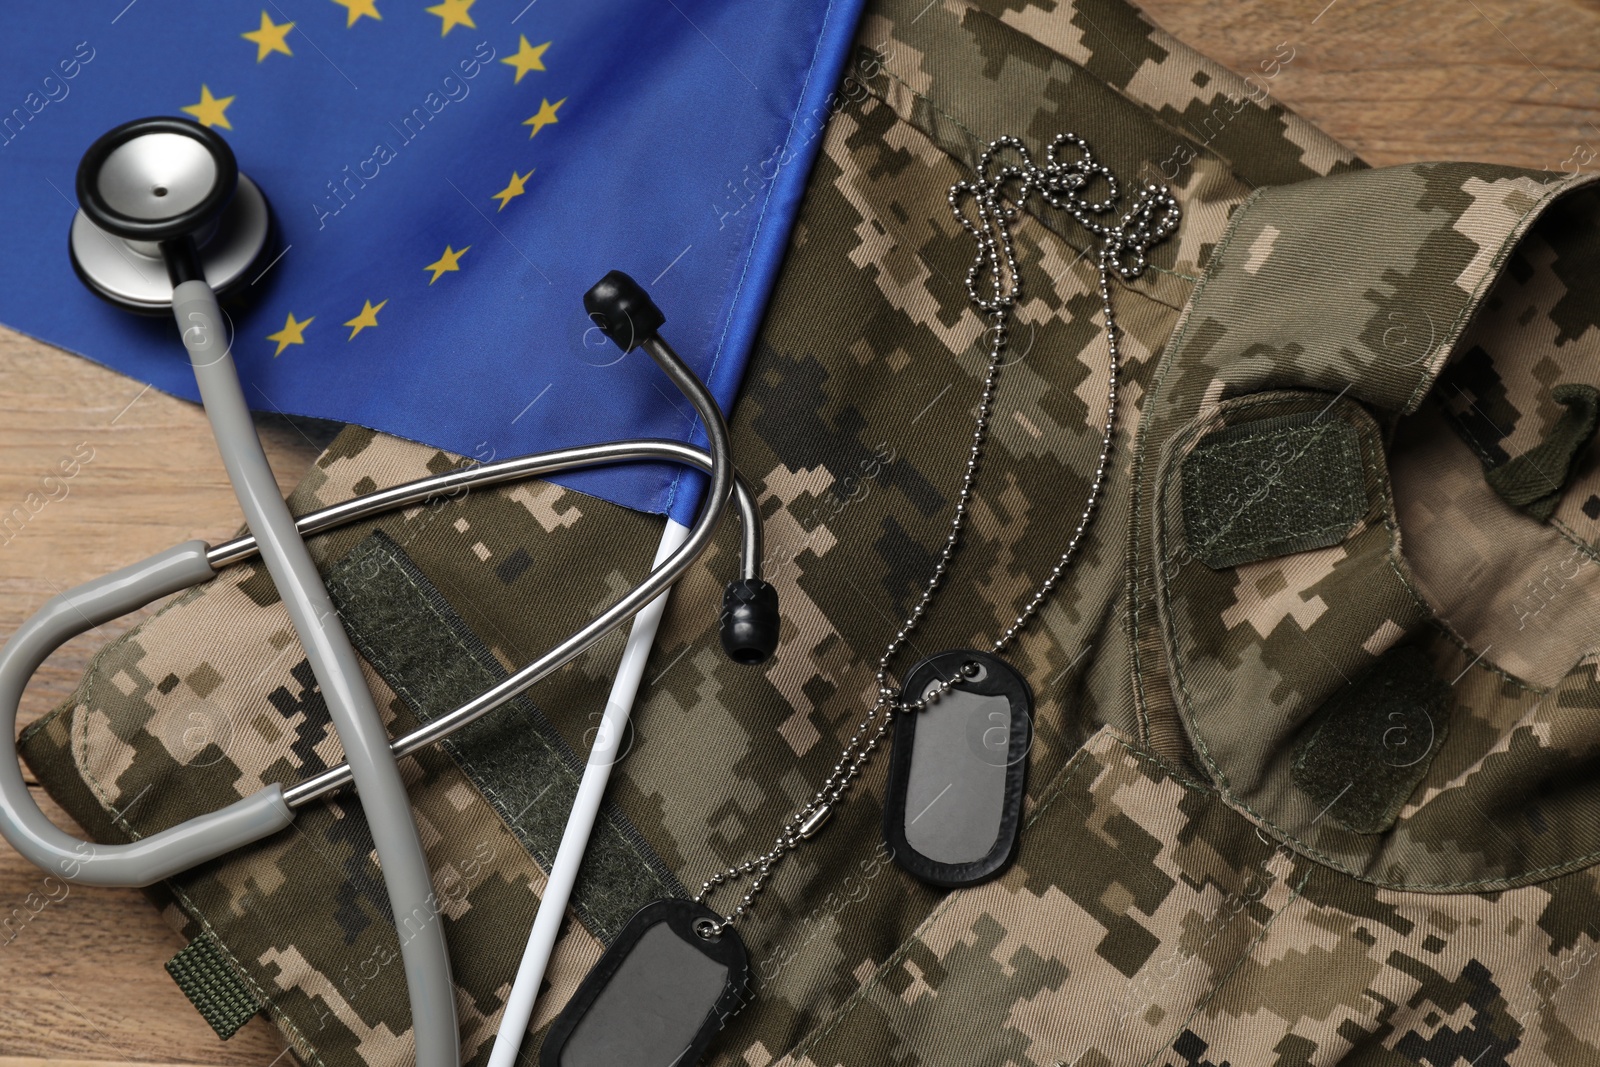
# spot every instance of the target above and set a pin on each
(1298, 648)
(1349, 653)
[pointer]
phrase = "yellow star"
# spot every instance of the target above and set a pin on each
(357, 8)
(515, 187)
(527, 58)
(453, 13)
(269, 38)
(368, 317)
(546, 115)
(210, 111)
(451, 260)
(293, 333)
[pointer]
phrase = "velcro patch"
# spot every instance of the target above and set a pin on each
(1271, 487)
(1375, 741)
(523, 767)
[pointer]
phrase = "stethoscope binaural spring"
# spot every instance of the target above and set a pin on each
(166, 221)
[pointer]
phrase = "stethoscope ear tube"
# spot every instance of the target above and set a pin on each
(168, 192)
(111, 596)
(623, 311)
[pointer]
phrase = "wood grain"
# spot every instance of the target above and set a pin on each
(83, 977)
(1491, 80)
(82, 981)
(35, 1061)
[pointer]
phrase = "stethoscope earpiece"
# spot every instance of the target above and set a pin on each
(166, 223)
(622, 310)
(750, 621)
(161, 201)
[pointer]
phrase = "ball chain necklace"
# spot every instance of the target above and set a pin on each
(962, 719)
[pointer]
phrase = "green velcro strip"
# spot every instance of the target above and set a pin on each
(213, 986)
(428, 654)
(1374, 742)
(1271, 487)
(1534, 480)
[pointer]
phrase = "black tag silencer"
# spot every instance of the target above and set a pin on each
(656, 997)
(958, 772)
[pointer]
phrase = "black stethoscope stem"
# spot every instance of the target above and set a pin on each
(182, 259)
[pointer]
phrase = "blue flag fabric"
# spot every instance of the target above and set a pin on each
(448, 181)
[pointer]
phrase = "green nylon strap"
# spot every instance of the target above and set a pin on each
(411, 635)
(1271, 487)
(1534, 480)
(213, 986)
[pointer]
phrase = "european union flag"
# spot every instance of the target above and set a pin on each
(447, 182)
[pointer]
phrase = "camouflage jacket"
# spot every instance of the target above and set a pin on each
(1311, 780)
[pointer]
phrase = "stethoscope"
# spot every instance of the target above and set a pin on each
(167, 221)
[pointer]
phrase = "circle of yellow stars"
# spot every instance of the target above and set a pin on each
(271, 38)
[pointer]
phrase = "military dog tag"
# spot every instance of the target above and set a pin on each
(656, 997)
(956, 777)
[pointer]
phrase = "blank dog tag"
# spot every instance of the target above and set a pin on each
(957, 774)
(656, 997)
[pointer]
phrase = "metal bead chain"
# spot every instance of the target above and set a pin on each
(1122, 247)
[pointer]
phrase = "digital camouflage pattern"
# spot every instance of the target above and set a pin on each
(1419, 245)
(1176, 900)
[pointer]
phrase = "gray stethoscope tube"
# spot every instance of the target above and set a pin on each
(164, 191)
(206, 837)
(159, 186)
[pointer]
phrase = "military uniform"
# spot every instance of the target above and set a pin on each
(1312, 778)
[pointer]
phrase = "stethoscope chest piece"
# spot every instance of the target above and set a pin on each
(159, 190)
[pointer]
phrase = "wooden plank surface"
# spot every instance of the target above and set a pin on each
(81, 975)
(82, 980)
(37, 1061)
(1493, 80)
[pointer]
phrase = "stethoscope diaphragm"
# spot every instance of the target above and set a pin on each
(158, 181)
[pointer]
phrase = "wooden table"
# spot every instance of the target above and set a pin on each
(83, 981)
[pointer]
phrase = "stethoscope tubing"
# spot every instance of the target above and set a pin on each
(124, 182)
(111, 596)
(536, 465)
(403, 865)
(420, 492)
(153, 857)
(205, 837)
